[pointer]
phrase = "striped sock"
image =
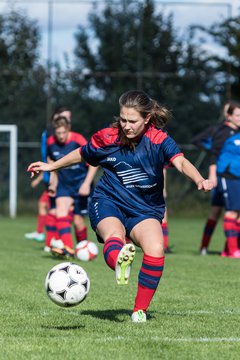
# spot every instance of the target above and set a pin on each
(64, 230)
(148, 280)
(111, 249)
(165, 234)
(231, 232)
(207, 232)
(81, 234)
(51, 229)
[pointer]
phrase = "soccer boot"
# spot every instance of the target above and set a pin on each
(204, 251)
(56, 243)
(139, 316)
(35, 236)
(47, 249)
(124, 264)
(65, 253)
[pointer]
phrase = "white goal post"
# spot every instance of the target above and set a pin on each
(12, 129)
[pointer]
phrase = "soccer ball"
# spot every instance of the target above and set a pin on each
(67, 284)
(86, 250)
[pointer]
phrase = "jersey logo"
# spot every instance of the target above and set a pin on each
(132, 176)
(111, 159)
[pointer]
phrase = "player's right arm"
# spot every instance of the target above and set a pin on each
(73, 157)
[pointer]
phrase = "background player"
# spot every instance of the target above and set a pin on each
(43, 206)
(224, 171)
(204, 141)
(72, 187)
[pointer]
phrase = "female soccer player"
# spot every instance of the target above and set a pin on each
(128, 199)
(224, 172)
(72, 187)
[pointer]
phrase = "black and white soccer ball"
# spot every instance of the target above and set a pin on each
(67, 284)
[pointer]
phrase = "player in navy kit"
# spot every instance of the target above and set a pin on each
(224, 171)
(128, 199)
(72, 185)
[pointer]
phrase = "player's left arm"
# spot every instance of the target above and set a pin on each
(85, 188)
(71, 158)
(188, 169)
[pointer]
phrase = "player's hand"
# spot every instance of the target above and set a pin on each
(84, 189)
(205, 185)
(214, 180)
(38, 166)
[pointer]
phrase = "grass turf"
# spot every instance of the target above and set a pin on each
(195, 313)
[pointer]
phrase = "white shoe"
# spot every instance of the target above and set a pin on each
(35, 236)
(47, 249)
(139, 316)
(57, 244)
(124, 264)
(204, 251)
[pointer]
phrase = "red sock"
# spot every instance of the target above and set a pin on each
(231, 232)
(148, 280)
(165, 234)
(238, 227)
(51, 228)
(207, 232)
(81, 234)
(41, 221)
(111, 249)
(64, 230)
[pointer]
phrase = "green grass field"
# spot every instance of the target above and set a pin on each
(195, 313)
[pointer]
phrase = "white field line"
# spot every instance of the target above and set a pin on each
(170, 339)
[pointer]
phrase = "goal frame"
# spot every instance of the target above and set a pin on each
(12, 130)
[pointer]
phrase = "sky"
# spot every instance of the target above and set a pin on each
(68, 14)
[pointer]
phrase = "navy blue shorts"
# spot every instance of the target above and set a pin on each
(217, 197)
(80, 204)
(103, 208)
(230, 189)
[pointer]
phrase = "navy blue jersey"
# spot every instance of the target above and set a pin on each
(226, 151)
(133, 179)
(72, 176)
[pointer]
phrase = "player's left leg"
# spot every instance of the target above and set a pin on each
(63, 206)
(80, 210)
(148, 235)
(39, 234)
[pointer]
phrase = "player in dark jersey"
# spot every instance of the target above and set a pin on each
(224, 171)
(128, 199)
(204, 141)
(72, 187)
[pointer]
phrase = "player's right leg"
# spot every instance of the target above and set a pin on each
(108, 222)
(148, 235)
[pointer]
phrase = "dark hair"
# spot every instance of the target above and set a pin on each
(59, 110)
(142, 103)
(60, 121)
(232, 107)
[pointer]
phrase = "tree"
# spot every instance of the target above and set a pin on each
(227, 62)
(143, 52)
(22, 79)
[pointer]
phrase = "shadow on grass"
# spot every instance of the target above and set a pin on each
(110, 314)
(63, 328)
